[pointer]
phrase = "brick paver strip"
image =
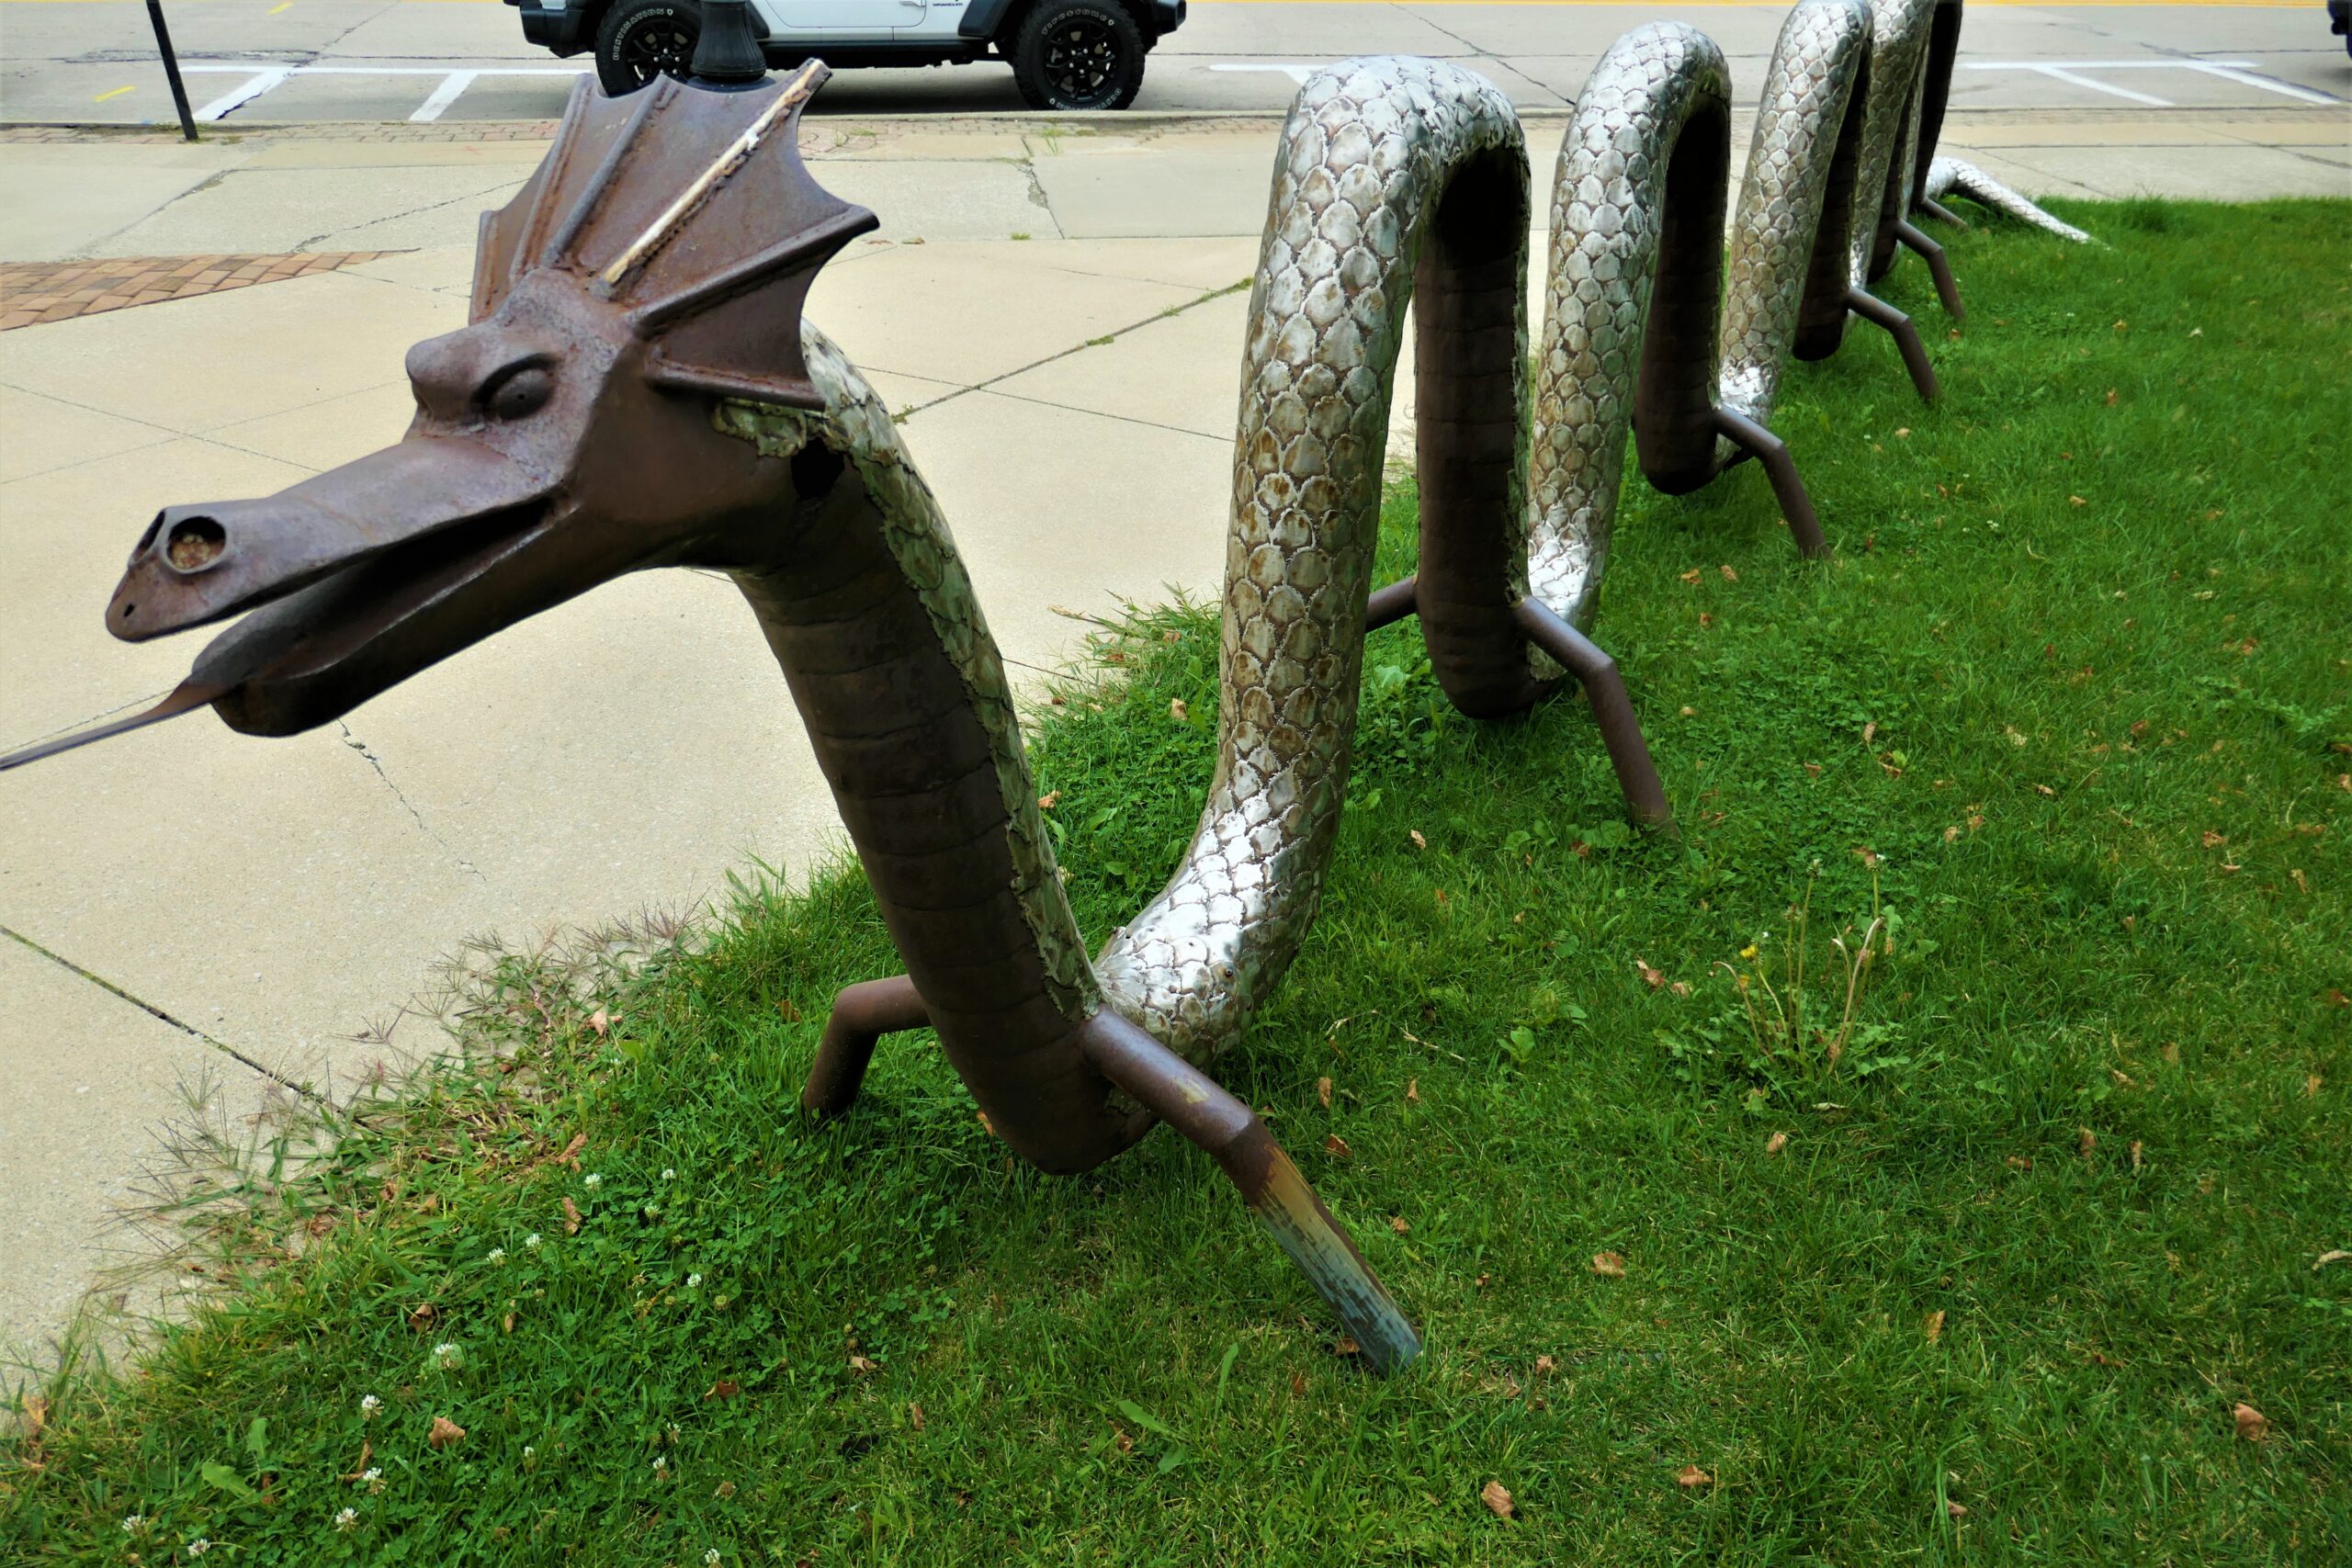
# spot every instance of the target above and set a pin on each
(35, 292)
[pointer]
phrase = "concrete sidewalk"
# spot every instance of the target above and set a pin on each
(1056, 306)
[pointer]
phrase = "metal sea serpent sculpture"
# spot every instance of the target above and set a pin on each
(635, 387)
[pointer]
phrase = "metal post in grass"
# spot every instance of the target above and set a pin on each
(172, 67)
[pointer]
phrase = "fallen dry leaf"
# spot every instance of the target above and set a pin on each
(421, 1318)
(600, 1021)
(1337, 1146)
(1545, 1366)
(571, 1155)
(1412, 1091)
(1496, 1499)
(571, 1217)
(1775, 1143)
(2253, 1424)
(1048, 800)
(1935, 1325)
(1655, 977)
(727, 1488)
(445, 1432)
(1399, 1223)
(2087, 1143)
(2135, 1153)
(1954, 1510)
(1482, 1282)
(863, 1364)
(1347, 1346)
(35, 1415)
(1609, 1265)
(2077, 501)
(2310, 1085)
(1691, 1475)
(914, 1415)
(1177, 711)
(1120, 1441)
(1418, 842)
(1298, 1385)
(1729, 575)
(1323, 1092)
(1691, 577)
(724, 1388)
(2336, 1255)
(359, 1470)
(2210, 838)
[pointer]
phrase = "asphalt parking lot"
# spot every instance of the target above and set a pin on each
(273, 62)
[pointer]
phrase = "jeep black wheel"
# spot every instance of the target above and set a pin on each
(644, 39)
(1078, 54)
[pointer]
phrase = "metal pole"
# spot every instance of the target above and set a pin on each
(172, 68)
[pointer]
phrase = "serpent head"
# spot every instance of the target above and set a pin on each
(652, 269)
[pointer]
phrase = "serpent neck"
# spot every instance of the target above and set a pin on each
(866, 606)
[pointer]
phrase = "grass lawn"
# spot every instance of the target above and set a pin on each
(1980, 1267)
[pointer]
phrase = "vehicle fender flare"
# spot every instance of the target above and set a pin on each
(981, 19)
(989, 20)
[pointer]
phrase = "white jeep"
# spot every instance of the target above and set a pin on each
(1065, 54)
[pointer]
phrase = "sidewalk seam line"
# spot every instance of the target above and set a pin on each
(153, 1011)
(1080, 347)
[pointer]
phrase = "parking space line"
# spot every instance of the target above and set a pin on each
(445, 95)
(455, 80)
(2241, 71)
(1298, 74)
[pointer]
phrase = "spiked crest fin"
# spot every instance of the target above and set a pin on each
(690, 212)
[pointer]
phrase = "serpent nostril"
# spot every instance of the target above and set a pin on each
(195, 543)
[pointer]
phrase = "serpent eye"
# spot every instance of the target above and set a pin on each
(520, 393)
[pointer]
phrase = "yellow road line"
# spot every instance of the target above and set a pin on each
(117, 92)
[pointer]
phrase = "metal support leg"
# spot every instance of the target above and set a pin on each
(1390, 604)
(1938, 268)
(1938, 211)
(1231, 1133)
(1873, 308)
(1788, 486)
(862, 1014)
(1621, 731)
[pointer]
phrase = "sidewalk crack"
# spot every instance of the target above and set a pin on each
(143, 1005)
(903, 415)
(377, 763)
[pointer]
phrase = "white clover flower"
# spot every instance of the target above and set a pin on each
(693, 1281)
(661, 1467)
(498, 1254)
(668, 1174)
(447, 1355)
(374, 1476)
(529, 1453)
(653, 1211)
(532, 1241)
(591, 1181)
(370, 1407)
(133, 1523)
(199, 1547)
(710, 1557)
(347, 1520)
